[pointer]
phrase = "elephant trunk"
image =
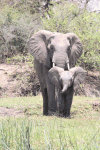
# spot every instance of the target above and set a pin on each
(68, 67)
(61, 61)
(64, 88)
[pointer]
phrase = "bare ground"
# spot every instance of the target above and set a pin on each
(8, 112)
(18, 80)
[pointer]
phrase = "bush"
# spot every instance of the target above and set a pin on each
(15, 30)
(67, 17)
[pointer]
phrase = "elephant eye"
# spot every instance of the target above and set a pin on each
(61, 80)
(68, 50)
(52, 48)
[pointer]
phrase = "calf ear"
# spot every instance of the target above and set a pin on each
(54, 76)
(79, 75)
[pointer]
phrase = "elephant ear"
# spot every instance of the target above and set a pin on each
(79, 75)
(37, 46)
(54, 75)
(76, 49)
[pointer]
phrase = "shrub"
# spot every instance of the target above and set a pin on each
(15, 30)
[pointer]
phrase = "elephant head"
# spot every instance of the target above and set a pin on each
(65, 79)
(55, 49)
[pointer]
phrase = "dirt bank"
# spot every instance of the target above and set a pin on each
(21, 80)
(18, 80)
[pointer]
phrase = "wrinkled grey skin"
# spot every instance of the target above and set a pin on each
(66, 82)
(53, 49)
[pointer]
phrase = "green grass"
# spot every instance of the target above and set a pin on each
(30, 105)
(35, 131)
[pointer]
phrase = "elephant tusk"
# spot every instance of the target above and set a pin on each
(68, 66)
(53, 64)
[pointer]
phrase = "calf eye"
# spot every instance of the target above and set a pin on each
(68, 49)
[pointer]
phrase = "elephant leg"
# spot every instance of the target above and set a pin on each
(42, 79)
(60, 102)
(61, 98)
(45, 100)
(68, 102)
(52, 103)
(48, 92)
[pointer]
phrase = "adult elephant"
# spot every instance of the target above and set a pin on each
(66, 82)
(52, 49)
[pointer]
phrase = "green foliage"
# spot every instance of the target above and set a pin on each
(18, 59)
(59, 17)
(22, 5)
(15, 30)
(67, 17)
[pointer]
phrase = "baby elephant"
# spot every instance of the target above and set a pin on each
(66, 82)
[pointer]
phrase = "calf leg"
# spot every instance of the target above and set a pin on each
(68, 103)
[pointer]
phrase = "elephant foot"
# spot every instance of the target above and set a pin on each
(64, 114)
(52, 113)
(68, 116)
(60, 114)
(45, 114)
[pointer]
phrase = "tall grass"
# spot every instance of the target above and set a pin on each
(48, 133)
(35, 131)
